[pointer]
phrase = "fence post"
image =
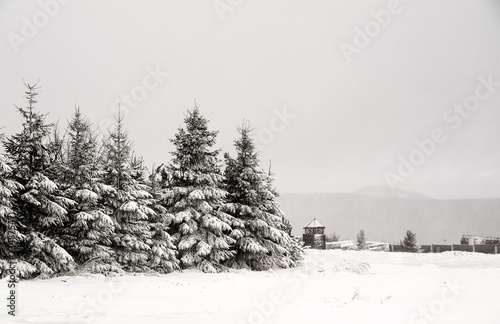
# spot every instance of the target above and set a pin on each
(496, 248)
(473, 246)
(452, 247)
(432, 248)
(391, 247)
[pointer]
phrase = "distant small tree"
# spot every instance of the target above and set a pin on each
(332, 238)
(361, 240)
(409, 243)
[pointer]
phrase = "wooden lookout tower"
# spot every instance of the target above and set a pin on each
(314, 235)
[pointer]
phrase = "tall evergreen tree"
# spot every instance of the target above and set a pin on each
(263, 239)
(40, 208)
(9, 224)
(194, 200)
(163, 255)
(89, 229)
(130, 216)
(141, 242)
(295, 249)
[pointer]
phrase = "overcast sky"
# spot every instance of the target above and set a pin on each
(338, 91)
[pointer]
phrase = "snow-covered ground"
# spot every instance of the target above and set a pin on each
(330, 287)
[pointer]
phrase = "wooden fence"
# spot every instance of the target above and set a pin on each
(437, 248)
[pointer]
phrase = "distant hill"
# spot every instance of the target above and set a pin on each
(386, 192)
(387, 218)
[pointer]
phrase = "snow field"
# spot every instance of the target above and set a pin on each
(330, 286)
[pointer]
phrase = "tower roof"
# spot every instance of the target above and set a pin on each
(314, 224)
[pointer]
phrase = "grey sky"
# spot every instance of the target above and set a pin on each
(352, 121)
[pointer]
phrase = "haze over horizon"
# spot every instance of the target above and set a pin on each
(331, 122)
(385, 192)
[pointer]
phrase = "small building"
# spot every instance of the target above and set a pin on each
(314, 235)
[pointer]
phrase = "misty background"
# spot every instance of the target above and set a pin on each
(351, 120)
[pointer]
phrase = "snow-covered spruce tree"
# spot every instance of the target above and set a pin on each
(89, 229)
(163, 255)
(39, 207)
(201, 230)
(263, 241)
(129, 214)
(9, 224)
(409, 243)
(139, 242)
(296, 249)
(361, 240)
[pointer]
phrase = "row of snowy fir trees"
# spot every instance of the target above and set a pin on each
(83, 202)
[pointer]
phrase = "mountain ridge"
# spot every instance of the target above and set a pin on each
(387, 219)
(388, 192)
